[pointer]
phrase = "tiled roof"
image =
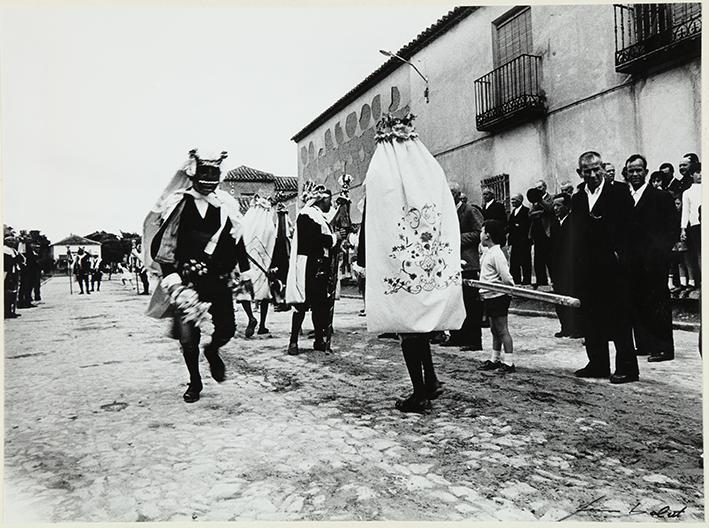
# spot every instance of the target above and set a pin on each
(421, 41)
(76, 240)
(245, 173)
(286, 183)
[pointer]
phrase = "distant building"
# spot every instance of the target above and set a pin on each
(73, 243)
(517, 93)
(243, 182)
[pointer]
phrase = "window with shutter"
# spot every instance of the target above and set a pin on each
(513, 36)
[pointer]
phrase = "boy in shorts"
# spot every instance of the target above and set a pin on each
(494, 268)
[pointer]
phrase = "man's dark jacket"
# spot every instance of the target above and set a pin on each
(564, 256)
(653, 229)
(518, 227)
(601, 237)
(677, 187)
(471, 222)
(495, 211)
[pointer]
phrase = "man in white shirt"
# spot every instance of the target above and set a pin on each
(653, 232)
(682, 181)
(519, 241)
(602, 213)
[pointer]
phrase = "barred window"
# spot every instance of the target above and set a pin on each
(500, 185)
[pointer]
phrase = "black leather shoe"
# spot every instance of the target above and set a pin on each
(471, 348)
(435, 390)
(623, 378)
(414, 405)
(250, 328)
(590, 373)
(388, 335)
(319, 346)
(293, 349)
(490, 365)
(216, 365)
(191, 395)
(560, 334)
(656, 358)
(642, 353)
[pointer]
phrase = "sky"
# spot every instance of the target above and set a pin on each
(100, 103)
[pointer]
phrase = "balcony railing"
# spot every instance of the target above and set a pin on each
(648, 36)
(509, 94)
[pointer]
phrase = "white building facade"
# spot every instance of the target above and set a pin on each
(517, 93)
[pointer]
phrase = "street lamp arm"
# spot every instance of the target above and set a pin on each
(390, 54)
(402, 59)
(413, 66)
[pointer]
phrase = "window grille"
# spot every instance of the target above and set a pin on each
(500, 185)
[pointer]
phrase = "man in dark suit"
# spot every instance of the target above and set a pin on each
(469, 337)
(563, 265)
(602, 213)
(541, 216)
(652, 233)
(492, 209)
(680, 183)
(519, 242)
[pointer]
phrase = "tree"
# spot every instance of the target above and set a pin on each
(113, 247)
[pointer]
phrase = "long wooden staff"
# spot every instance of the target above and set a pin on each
(515, 291)
(341, 220)
(69, 270)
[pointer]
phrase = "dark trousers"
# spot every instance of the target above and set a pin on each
(521, 262)
(35, 288)
(222, 312)
(25, 295)
(569, 319)
(605, 319)
(470, 333)
(83, 280)
(144, 280)
(10, 302)
(320, 314)
(419, 363)
(542, 260)
(652, 311)
(96, 281)
(694, 247)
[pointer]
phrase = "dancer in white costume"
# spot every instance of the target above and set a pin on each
(412, 252)
(259, 239)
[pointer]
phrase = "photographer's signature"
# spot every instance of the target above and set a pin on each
(665, 512)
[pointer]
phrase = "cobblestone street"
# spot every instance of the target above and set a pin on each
(96, 429)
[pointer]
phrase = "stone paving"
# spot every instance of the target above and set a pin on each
(96, 429)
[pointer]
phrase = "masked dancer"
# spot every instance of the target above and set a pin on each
(310, 265)
(194, 235)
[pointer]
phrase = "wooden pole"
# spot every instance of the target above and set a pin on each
(70, 269)
(516, 291)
